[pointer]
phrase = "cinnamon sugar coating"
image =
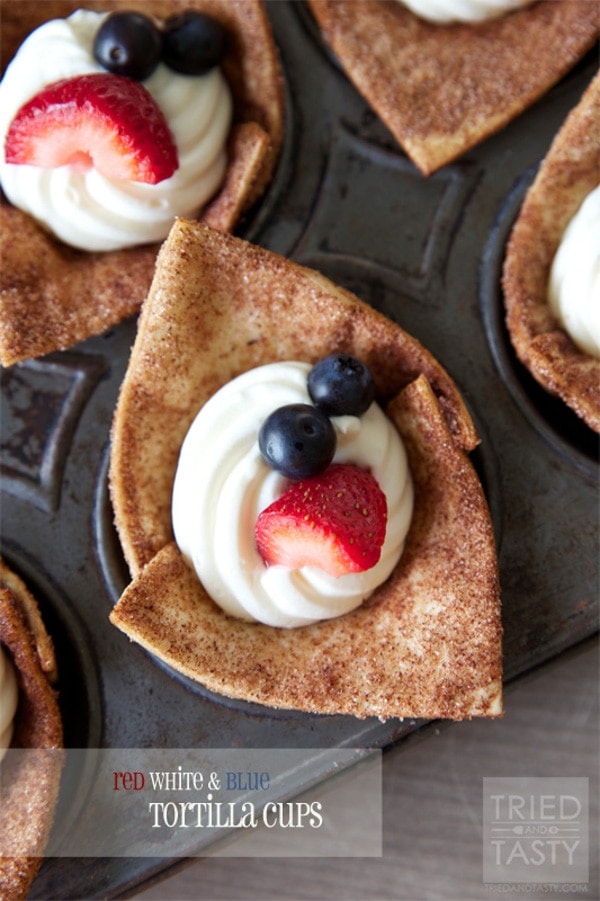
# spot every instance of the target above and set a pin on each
(568, 173)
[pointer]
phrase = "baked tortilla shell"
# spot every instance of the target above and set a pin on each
(442, 89)
(568, 173)
(428, 642)
(426, 645)
(53, 296)
(29, 783)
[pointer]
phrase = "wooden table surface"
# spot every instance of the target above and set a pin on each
(432, 805)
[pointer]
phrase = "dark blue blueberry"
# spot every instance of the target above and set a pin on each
(193, 43)
(297, 440)
(341, 385)
(128, 43)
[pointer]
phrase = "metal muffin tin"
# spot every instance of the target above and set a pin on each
(427, 252)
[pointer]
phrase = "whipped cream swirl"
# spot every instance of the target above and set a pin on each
(87, 210)
(443, 12)
(574, 283)
(8, 700)
(222, 483)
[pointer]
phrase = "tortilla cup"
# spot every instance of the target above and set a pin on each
(442, 89)
(52, 296)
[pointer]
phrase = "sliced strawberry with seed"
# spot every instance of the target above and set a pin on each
(101, 120)
(335, 520)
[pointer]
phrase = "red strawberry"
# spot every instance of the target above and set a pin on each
(335, 520)
(100, 120)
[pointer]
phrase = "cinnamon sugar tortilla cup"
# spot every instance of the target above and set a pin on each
(442, 89)
(568, 173)
(53, 296)
(428, 641)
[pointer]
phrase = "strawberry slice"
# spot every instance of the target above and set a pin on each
(335, 520)
(100, 120)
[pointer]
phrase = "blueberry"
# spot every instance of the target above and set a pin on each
(193, 43)
(297, 440)
(128, 43)
(341, 385)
